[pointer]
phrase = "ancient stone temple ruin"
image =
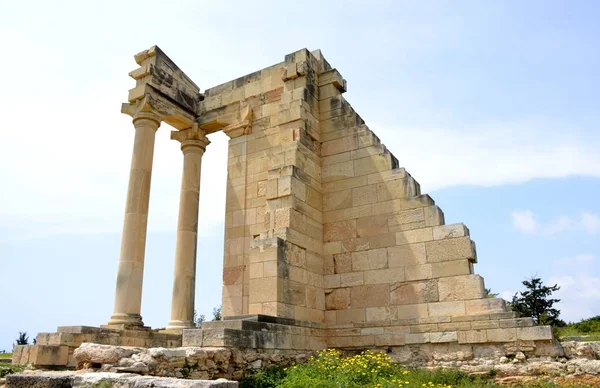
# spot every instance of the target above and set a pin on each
(329, 242)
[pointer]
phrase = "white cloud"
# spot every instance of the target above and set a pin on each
(506, 152)
(579, 295)
(525, 222)
(578, 260)
(590, 222)
(507, 295)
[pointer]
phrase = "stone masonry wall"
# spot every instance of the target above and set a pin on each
(324, 226)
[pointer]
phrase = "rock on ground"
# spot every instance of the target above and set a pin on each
(113, 380)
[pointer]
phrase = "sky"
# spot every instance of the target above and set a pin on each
(491, 106)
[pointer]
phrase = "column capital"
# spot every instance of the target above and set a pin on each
(142, 118)
(192, 139)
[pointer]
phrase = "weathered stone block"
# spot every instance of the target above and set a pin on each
(449, 309)
(535, 333)
(338, 299)
(485, 306)
(443, 336)
(460, 288)
(414, 236)
(412, 311)
(413, 293)
(449, 249)
(450, 268)
(406, 255)
(371, 295)
(501, 335)
(472, 337)
(450, 231)
(337, 231)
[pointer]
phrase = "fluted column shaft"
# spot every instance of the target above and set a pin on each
(128, 297)
(193, 144)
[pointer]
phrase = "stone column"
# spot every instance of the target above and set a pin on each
(128, 298)
(193, 144)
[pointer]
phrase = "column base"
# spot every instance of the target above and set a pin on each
(129, 320)
(179, 325)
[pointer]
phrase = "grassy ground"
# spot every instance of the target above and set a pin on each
(330, 369)
(5, 355)
(6, 369)
(572, 331)
(589, 329)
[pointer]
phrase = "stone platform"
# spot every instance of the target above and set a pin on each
(56, 349)
(482, 335)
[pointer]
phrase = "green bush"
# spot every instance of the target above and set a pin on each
(268, 378)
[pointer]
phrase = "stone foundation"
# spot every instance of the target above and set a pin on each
(56, 349)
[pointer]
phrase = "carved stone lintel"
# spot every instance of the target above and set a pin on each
(153, 102)
(243, 126)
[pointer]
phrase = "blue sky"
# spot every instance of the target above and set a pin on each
(491, 106)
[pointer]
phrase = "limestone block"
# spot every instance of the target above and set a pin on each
(337, 200)
(454, 326)
(347, 143)
(332, 281)
(338, 299)
(433, 215)
(450, 268)
(364, 195)
(338, 171)
(485, 306)
(390, 275)
(418, 272)
(450, 309)
(371, 295)
(417, 338)
(501, 335)
(363, 340)
(472, 337)
(413, 293)
(425, 328)
(414, 236)
(48, 355)
(372, 164)
(390, 340)
(479, 325)
(407, 217)
(443, 336)
(413, 311)
(372, 226)
(534, 333)
(344, 184)
(461, 288)
(450, 231)
(397, 188)
(449, 249)
(406, 255)
(517, 322)
(350, 316)
(265, 290)
(352, 279)
(375, 314)
(377, 258)
(337, 231)
(342, 263)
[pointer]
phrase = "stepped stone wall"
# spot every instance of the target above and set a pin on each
(324, 227)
